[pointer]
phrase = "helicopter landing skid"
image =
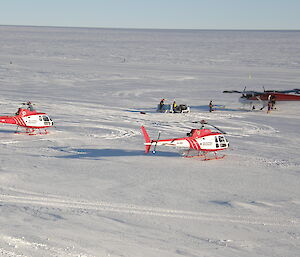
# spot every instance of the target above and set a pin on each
(204, 155)
(32, 132)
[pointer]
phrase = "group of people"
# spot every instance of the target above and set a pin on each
(175, 107)
(271, 105)
(162, 103)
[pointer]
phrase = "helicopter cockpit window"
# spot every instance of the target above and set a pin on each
(47, 121)
(221, 139)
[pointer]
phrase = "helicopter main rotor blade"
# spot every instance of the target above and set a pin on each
(205, 122)
(202, 122)
(222, 131)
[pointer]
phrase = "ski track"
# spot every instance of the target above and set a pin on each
(183, 122)
(144, 211)
(23, 244)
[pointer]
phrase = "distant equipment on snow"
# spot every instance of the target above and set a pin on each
(172, 108)
(168, 108)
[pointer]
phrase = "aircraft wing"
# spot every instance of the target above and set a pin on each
(232, 91)
(295, 90)
(244, 92)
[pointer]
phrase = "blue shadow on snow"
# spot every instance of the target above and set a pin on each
(7, 131)
(98, 153)
(206, 108)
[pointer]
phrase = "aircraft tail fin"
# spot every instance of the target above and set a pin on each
(147, 140)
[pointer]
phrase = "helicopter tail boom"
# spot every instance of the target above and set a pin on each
(9, 120)
(147, 140)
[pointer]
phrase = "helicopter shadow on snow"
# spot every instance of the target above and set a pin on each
(220, 109)
(144, 111)
(6, 131)
(91, 153)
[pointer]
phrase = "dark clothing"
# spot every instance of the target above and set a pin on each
(270, 106)
(210, 106)
(161, 104)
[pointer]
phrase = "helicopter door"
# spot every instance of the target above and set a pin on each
(217, 142)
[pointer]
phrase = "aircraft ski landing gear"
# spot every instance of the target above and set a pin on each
(32, 131)
(204, 155)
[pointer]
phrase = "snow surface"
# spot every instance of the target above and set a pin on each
(87, 189)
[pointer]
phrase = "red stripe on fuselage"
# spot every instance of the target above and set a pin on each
(17, 121)
(194, 144)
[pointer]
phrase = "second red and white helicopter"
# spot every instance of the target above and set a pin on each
(28, 118)
(201, 142)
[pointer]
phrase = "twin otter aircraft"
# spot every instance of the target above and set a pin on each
(263, 97)
(29, 119)
(200, 141)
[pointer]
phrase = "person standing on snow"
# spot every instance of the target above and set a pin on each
(210, 106)
(174, 106)
(270, 106)
(161, 104)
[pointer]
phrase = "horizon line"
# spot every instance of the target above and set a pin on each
(147, 28)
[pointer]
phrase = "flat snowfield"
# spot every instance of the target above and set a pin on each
(87, 188)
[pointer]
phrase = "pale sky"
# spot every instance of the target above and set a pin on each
(164, 14)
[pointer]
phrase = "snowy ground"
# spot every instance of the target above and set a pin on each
(87, 189)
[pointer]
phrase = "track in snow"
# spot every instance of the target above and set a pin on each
(15, 245)
(143, 210)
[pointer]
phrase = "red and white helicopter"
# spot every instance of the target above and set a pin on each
(29, 119)
(248, 97)
(201, 141)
